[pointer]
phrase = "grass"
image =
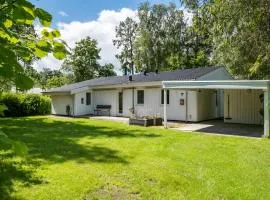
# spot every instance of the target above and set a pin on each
(87, 159)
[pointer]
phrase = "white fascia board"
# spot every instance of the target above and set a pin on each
(226, 84)
(56, 93)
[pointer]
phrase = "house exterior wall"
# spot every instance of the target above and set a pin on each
(106, 97)
(59, 103)
(152, 103)
(82, 109)
(207, 105)
(244, 106)
(197, 106)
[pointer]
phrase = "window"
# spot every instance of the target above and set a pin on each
(82, 100)
(88, 98)
(168, 96)
(140, 97)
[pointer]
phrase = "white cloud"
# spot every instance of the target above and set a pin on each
(63, 14)
(102, 29)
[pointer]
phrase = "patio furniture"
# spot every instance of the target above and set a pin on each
(101, 109)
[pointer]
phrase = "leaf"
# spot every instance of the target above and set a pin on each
(7, 36)
(45, 18)
(23, 82)
(56, 33)
(22, 16)
(44, 45)
(8, 23)
(45, 33)
(59, 50)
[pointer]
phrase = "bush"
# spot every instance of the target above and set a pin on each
(25, 104)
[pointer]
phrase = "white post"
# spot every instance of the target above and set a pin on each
(267, 112)
(165, 108)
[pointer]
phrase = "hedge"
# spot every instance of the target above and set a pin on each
(19, 104)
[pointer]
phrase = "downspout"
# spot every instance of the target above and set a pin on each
(133, 108)
(186, 106)
(165, 108)
(73, 101)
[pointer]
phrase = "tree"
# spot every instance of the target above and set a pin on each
(19, 44)
(83, 61)
(57, 81)
(106, 70)
(164, 41)
(240, 33)
(125, 39)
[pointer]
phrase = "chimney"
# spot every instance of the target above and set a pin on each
(144, 72)
(130, 77)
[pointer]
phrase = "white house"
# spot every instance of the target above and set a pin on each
(144, 92)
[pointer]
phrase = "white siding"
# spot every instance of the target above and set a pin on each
(127, 101)
(244, 106)
(106, 97)
(59, 103)
(207, 107)
(82, 109)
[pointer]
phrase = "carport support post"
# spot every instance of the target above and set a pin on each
(267, 112)
(165, 108)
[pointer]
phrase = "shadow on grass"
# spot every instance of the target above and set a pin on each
(57, 141)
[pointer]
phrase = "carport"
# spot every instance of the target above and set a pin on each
(245, 89)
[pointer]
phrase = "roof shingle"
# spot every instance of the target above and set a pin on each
(181, 74)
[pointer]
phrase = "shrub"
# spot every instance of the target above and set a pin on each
(25, 104)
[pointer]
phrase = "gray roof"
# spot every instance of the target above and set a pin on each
(181, 74)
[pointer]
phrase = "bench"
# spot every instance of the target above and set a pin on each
(103, 109)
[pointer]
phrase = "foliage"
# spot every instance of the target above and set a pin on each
(25, 104)
(240, 33)
(18, 44)
(162, 40)
(113, 160)
(106, 70)
(53, 78)
(125, 39)
(83, 61)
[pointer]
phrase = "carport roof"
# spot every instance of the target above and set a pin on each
(218, 84)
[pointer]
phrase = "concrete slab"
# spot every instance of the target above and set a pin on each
(110, 118)
(219, 127)
(211, 126)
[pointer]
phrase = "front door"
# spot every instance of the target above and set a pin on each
(120, 102)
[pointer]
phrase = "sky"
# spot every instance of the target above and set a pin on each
(77, 19)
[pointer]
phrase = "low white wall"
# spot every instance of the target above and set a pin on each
(244, 106)
(82, 109)
(59, 103)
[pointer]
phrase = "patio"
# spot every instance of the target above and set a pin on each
(211, 126)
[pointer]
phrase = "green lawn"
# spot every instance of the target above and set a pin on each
(87, 159)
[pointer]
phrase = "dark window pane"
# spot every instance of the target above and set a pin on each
(82, 100)
(120, 101)
(140, 97)
(162, 96)
(88, 98)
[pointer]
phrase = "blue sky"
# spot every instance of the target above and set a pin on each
(85, 10)
(77, 19)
